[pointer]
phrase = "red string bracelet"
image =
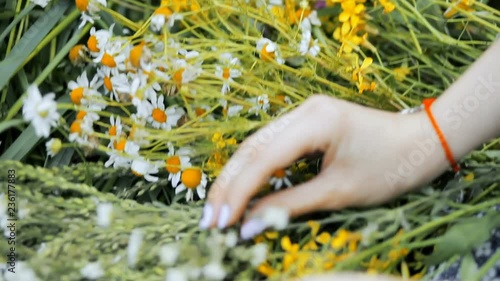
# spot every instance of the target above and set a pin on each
(427, 106)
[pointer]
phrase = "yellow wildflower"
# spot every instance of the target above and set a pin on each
(343, 237)
(465, 5)
(351, 14)
(350, 40)
(400, 73)
(220, 142)
(322, 239)
(292, 251)
(266, 270)
(396, 254)
(469, 177)
(388, 6)
(366, 87)
(359, 71)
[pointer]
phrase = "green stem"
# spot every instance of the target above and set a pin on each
(55, 32)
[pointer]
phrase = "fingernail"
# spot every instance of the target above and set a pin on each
(223, 216)
(252, 228)
(206, 219)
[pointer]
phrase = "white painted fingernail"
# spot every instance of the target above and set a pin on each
(251, 228)
(206, 219)
(223, 216)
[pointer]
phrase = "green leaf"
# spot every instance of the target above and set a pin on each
(30, 41)
(61, 159)
(463, 237)
(16, 20)
(9, 124)
(468, 268)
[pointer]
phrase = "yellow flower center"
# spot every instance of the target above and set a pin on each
(82, 5)
(159, 115)
(120, 145)
(75, 53)
(112, 131)
(77, 95)
(226, 73)
(199, 111)
(173, 164)
(280, 173)
(136, 173)
(132, 131)
(178, 76)
(265, 55)
(136, 54)
(76, 126)
(92, 44)
(108, 60)
(191, 177)
(107, 83)
(81, 114)
(164, 11)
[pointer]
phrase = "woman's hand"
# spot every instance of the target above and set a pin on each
(370, 156)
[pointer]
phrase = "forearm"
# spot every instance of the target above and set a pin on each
(469, 111)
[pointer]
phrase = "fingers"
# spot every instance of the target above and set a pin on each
(271, 148)
(316, 194)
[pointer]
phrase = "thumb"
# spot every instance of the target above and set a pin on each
(316, 194)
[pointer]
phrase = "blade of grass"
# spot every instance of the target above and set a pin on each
(9, 124)
(30, 42)
(16, 20)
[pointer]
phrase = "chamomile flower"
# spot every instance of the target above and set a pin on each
(261, 103)
(192, 179)
(175, 162)
(185, 72)
(123, 151)
(308, 46)
(53, 147)
(82, 128)
(110, 81)
(98, 39)
(112, 57)
(115, 131)
(188, 54)
(280, 178)
(138, 132)
(40, 111)
(310, 20)
(139, 55)
(77, 54)
(230, 110)
(226, 73)
(164, 118)
(41, 3)
(269, 51)
(82, 89)
(162, 16)
(144, 168)
(201, 110)
(89, 10)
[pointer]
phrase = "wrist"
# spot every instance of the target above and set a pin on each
(422, 154)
